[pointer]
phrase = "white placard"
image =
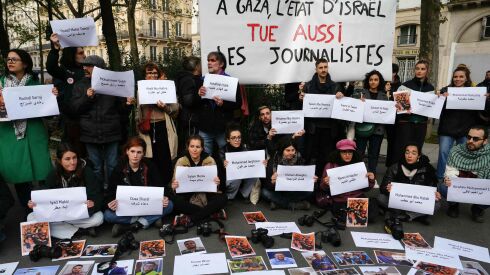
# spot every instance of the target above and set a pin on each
(434, 256)
(196, 179)
(277, 228)
(30, 101)
(426, 104)
(151, 91)
(113, 83)
(318, 105)
(295, 178)
(348, 108)
(273, 42)
(212, 263)
(288, 122)
(466, 98)
(9, 268)
(139, 200)
(245, 165)
(77, 32)
(348, 178)
(225, 87)
(51, 207)
(375, 240)
(266, 272)
(379, 111)
(468, 190)
(471, 251)
(412, 197)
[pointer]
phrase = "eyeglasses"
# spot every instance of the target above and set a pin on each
(13, 60)
(152, 73)
(236, 138)
(475, 139)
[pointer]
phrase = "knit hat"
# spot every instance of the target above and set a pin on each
(94, 60)
(346, 144)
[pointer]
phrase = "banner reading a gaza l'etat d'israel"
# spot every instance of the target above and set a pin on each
(277, 41)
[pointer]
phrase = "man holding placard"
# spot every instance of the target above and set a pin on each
(470, 160)
(216, 113)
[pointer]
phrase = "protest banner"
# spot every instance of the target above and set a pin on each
(427, 104)
(273, 42)
(30, 101)
(315, 105)
(196, 179)
(245, 165)
(139, 200)
(151, 91)
(295, 178)
(468, 190)
(434, 256)
(466, 98)
(347, 108)
(379, 111)
(225, 87)
(211, 263)
(348, 178)
(113, 83)
(471, 251)
(50, 207)
(412, 197)
(277, 228)
(288, 122)
(77, 32)
(375, 240)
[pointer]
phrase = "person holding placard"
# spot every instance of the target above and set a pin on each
(134, 170)
(195, 207)
(470, 160)
(374, 88)
(412, 127)
(6, 202)
(414, 168)
(24, 155)
(321, 133)
(157, 127)
(454, 124)
(486, 82)
(216, 113)
(345, 154)
(287, 154)
(72, 171)
(65, 74)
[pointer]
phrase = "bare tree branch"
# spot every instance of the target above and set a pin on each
(71, 7)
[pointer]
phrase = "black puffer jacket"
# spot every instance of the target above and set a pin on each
(417, 85)
(455, 123)
(187, 86)
(100, 116)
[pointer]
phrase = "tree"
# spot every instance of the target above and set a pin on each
(4, 37)
(133, 43)
(430, 19)
(109, 31)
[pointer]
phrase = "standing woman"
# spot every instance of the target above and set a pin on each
(374, 86)
(24, 155)
(65, 74)
(161, 133)
(412, 127)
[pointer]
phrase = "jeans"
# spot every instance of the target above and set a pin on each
(243, 185)
(373, 149)
(284, 198)
(111, 217)
(100, 154)
(445, 145)
(209, 138)
(442, 188)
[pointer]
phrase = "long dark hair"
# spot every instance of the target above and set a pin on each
(63, 148)
(26, 59)
(381, 85)
(68, 57)
(466, 72)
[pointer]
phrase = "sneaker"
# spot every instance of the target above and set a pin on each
(273, 206)
(182, 220)
(220, 215)
(302, 205)
(119, 229)
(453, 210)
(477, 214)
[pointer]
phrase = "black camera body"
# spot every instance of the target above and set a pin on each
(306, 220)
(127, 243)
(394, 227)
(332, 236)
(260, 236)
(44, 251)
(205, 229)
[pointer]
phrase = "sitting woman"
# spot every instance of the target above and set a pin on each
(70, 171)
(134, 170)
(287, 154)
(196, 207)
(414, 168)
(345, 154)
(234, 144)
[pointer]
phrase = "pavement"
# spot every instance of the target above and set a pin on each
(462, 229)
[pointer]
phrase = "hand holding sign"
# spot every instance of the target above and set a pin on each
(220, 87)
(78, 32)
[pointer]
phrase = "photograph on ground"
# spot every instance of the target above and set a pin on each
(379, 270)
(357, 212)
(121, 267)
(77, 267)
(152, 266)
(253, 217)
(352, 258)
(303, 242)
(393, 258)
(192, 245)
(238, 246)
(32, 233)
(247, 264)
(39, 270)
(152, 249)
(280, 258)
(99, 250)
(415, 240)
(319, 260)
(70, 250)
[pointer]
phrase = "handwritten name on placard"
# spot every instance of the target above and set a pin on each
(30, 101)
(224, 87)
(295, 178)
(152, 91)
(466, 98)
(139, 200)
(113, 83)
(212, 263)
(375, 240)
(462, 249)
(435, 256)
(245, 165)
(50, 208)
(350, 109)
(410, 197)
(476, 191)
(348, 178)
(315, 105)
(196, 179)
(78, 32)
(277, 228)
(379, 111)
(288, 122)
(427, 104)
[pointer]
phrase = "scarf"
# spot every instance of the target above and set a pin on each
(20, 126)
(231, 149)
(142, 170)
(471, 161)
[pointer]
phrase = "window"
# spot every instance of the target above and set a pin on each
(408, 35)
(153, 28)
(153, 4)
(166, 29)
(178, 29)
(486, 27)
(153, 53)
(407, 67)
(166, 53)
(165, 5)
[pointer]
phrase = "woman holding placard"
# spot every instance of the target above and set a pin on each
(71, 171)
(134, 170)
(197, 206)
(287, 154)
(24, 155)
(414, 168)
(157, 128)
(454, 124)
(371, 135)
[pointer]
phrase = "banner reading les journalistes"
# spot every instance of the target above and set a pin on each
(278, 41)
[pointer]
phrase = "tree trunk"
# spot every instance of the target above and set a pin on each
(4, 37)
(429, 36)
(109, 31)
(40, 39)
(132, 31)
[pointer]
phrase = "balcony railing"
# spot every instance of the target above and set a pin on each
(407, 40)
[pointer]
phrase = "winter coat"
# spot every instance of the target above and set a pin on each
(380, 128)
(6, 201)
(272, 168)
(455, 123)
(417, 85)
(187, 86)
